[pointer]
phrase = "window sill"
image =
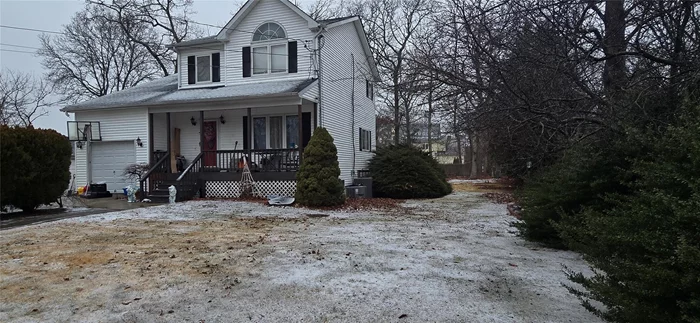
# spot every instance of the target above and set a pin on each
(271, 74)
(203, 85)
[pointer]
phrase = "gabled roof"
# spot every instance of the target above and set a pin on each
(164, 91)
(248, 6)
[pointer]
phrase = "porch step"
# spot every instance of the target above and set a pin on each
(159, 198)
(161, 193)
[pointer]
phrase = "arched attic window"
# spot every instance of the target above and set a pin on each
(271, 51)
(269, 31)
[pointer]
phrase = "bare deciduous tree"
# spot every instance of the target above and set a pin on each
(23, 98)
(93, 57)
(391, 26)
(168, 22)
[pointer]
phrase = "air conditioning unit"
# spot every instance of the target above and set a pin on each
(367, 183)
(355, 191)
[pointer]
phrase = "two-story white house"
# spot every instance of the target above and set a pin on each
(255, 91)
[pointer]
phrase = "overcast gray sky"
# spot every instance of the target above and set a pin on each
(52, 15)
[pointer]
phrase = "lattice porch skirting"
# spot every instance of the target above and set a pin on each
(232, 189)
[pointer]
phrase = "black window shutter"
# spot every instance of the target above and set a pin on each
(246, 133)
(370, 140)
(361, 139)
(292, 56)
(246, 61)
(191, 70)
(305, 128)
(216, 67)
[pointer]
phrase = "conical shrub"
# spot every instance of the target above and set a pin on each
(317, 180)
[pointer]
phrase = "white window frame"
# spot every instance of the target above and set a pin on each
(365, 137)
(269, 45)
(369, 89)
(196, 74)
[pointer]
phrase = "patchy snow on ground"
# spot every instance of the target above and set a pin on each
(454, 259)
(210, 210)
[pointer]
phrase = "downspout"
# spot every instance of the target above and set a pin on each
(352, 105)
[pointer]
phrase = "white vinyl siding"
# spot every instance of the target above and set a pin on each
(160, 135)
(296, 27)
(116, 125)
(340, 42)
(311, 92)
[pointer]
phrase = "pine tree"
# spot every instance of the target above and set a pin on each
(317, 180)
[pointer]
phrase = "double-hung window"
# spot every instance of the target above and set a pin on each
(269, 49)
(365, 140)
(203, 66)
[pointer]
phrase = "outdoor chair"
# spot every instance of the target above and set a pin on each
(291, 160)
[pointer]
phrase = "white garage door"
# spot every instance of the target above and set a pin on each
(109, 160)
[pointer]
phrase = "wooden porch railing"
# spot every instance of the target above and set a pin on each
(158, 154)
(261, 160)
(150, 178)
(188, 182)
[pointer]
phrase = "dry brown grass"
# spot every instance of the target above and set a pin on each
(70, 260)
(481, 187)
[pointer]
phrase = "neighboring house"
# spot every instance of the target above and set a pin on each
(450, 153)
(250, 91)
(436, 144)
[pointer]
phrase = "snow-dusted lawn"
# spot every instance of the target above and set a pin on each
(454, 259)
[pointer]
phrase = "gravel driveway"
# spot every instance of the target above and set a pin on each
(454, 259)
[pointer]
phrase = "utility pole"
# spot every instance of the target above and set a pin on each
(430, 118)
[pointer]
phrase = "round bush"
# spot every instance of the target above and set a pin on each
(406, 172)
(34, 166)
(317, 180)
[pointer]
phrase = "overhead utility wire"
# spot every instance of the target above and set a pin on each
(195, 47)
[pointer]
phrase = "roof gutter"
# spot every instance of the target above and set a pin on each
(195, 42)
(158, 104)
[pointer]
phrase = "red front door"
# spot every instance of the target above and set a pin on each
(209, 148)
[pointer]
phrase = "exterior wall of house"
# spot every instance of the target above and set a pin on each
(311, 92)
(296, 28)
(116, 125)
(160, 134)
(336, 81)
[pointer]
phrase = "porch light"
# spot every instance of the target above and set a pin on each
(221, 118)
(79, 144)
(138, 142)
(194, 123)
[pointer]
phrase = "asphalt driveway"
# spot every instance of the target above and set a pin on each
(15, 220)
(76, 207)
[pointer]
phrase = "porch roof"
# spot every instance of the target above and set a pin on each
(165, 91)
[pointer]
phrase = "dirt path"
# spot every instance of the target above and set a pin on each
(453, 259)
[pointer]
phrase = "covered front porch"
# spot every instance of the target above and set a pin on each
(191, 148)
